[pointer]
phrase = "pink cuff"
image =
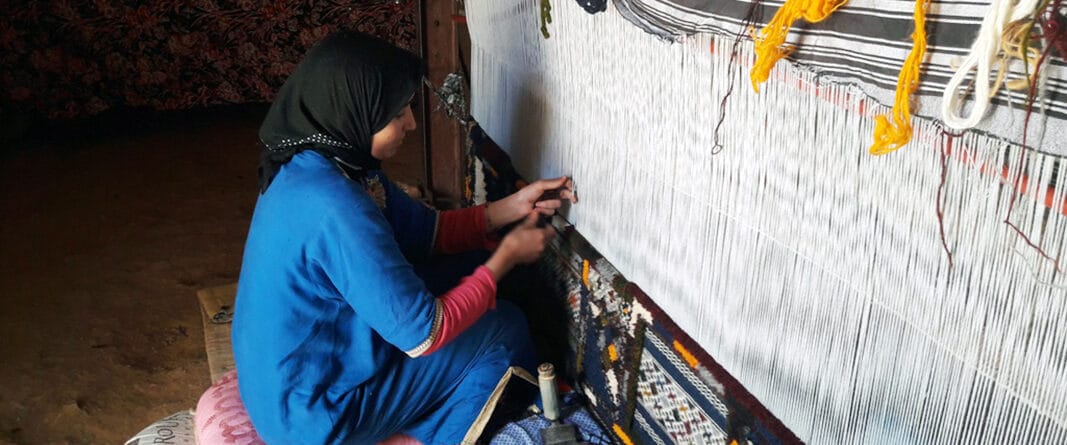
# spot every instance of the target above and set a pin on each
(462, 306)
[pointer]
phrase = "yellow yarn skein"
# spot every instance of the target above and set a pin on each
(891, 135)
(770, 40)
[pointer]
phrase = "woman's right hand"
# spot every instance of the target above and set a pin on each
(522, 245)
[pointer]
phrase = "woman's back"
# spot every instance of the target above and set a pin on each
(296, 334)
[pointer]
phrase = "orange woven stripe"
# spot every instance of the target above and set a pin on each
(622, 435)
(689, 358)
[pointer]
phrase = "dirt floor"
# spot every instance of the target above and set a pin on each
(108, 227)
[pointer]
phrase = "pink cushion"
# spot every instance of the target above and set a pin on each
(221, 418)
(400, 439)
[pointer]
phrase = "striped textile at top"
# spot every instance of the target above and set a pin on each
(865, 43)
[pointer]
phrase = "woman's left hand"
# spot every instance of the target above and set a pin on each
(544, 197)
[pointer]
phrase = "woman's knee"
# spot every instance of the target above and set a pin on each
(509, 321)
(513, 334)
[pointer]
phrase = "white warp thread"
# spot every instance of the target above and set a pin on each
(812, 271)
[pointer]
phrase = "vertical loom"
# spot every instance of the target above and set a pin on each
(813, 272)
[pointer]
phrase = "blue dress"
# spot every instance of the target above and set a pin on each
(329, 307)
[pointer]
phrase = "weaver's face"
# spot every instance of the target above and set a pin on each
(386, 141)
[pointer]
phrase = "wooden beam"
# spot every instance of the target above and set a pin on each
(445, 158)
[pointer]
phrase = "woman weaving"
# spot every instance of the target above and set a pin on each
(338, 337)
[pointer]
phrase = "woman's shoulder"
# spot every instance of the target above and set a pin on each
(312, 163)
(312, 180)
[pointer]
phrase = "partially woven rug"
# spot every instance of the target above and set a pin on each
(646, 380)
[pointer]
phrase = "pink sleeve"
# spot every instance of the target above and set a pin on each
(462, 306)
(462, 230)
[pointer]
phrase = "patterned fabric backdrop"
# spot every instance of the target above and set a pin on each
(66, 58)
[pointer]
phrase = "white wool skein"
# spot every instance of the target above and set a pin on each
(981, 58)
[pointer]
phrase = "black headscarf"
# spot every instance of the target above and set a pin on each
(348, 87)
